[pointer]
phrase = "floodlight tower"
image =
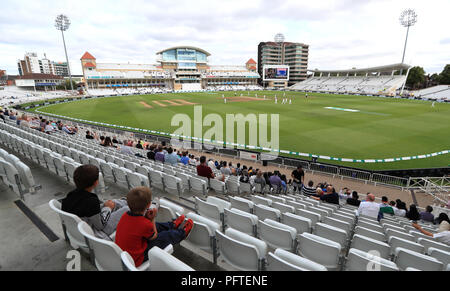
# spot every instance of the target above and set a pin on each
(408, 18)
(62, 23)
(279, 39)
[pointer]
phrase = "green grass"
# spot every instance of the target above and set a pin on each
(384, 127)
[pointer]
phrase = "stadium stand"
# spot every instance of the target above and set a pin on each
(261, 230)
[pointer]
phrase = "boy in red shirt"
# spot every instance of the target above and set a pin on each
(137, 231)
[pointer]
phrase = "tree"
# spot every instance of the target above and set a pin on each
(66, 85)
(444, 77)
(416, 77)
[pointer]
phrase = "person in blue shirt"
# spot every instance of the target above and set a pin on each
(171, 157)
(185, 159)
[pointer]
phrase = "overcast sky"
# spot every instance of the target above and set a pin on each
(341, 34)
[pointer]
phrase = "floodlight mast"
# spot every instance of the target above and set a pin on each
(408, 18)
(62, 23)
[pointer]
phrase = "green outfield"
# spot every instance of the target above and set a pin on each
(341, 126)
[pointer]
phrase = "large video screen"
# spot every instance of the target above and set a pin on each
(276, 73)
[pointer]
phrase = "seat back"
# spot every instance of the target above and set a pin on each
(263, 212)
(370, 233)
(314, 217)
(203, 233)
(301, 224)
(242, 204)
(261, 200)
(277, 235)
(240, 250)
(198, 186)
(332, 233)
(217, 186)
(283, 260)
(220, 203)
(161, 260)
(173, 184)
(367, 244)
(430, 243)
(440, 255)
(283, 207)
(319, 250)
(405, 258)
(391, 232)
(70, 225)
(358, 260)
(107, 254)
(241, 221)
(156, 179)
(208, 210)
(396, 242)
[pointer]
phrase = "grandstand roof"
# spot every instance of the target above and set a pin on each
(185, 47)
(251, 61)
(386, 68)
(87, 56)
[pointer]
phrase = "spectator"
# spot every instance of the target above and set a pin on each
(114, 140)
(309, 190)
(102, 217)
(88, 135)
(298, 177)
(259, 179)
(139, 145)
(244, 177)
(442, 237)
(413, 214)
(151, 152)
(330, 196)
(225, 170)
(443, 221)
(203, 170)
(171, 157)
(184, 159)
(67, 130)
(48, 127)
(345, 193)
(427, 215)
(385, 207)
(275, 181)
(193, 161)
(137, 231)
(159, 156)
(108, 143)
(369, 207)
(126, 150)
(354, 200)
(401, 208)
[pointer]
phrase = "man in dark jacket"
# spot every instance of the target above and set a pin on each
(102, 217)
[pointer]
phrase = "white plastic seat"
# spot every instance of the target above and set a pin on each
(241, 250)
(69, 224)
(121, 177)
(185, 180)
(198, 186)
(332, 233)
(208, 210)
(347, 227)
(242, 204)
(283, 207)
(263, 212)
(296, 205)
(314, 217)
(156, 179)
(396, 242)
(405, 258)
(168, 211)
(391, 232)
(344, 217)
(370, 225)
(416, 234)
(261, 200)
(301, 224)
(370, 233)
(137, 180)
(440, 255)
(431, 243)
(276, 198)
(323, 213)
(320, 250)
(173, 185)
(241, 221)
(233, 187)
(217, 186)
(277, 235)
(283, 260)
(162, 260)
(70, 169)
(367, 244)
(107, 171)
(358, 260)
(107, 255)
(203, 233)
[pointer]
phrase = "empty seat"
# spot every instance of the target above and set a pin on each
(218, 186)
(367, 244)
(276, 198)
(173, 185)
(203, 234)
(263, 212)
(391, 232)
(332, 233)
(161, 260)
(198, 186)
(242, 204)
(320, 250)
(314, 217)
(370, 225)
(137, 180)
(406, 258)
(241, 221)
(301, 224)
(396, 242)
(358, 260)
(283, 260)
(347, 227)
(370, 233)
(156, 179)
(440, 255)
(430, 243)
(277, 235)
(168, 211)
(261, 200)
(283, 207)
(241, 250)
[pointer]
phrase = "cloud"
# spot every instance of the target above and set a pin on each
(341, 34)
